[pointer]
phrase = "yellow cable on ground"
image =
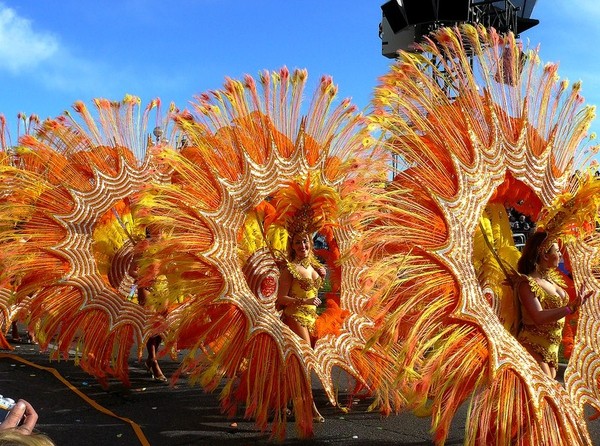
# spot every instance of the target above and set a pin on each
(136, 427)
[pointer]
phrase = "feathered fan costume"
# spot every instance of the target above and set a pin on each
(254, 159)
(479, 125)
(68, 233)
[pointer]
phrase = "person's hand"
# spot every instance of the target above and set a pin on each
(313, 301)
(133, 270)
(321, 271)
(580, 300)
(22, 418)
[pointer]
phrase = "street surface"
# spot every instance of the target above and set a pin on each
(182, 415)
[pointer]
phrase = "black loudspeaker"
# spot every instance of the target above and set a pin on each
(525, 24)
(394, 15)
(420, 11)
(453, 10)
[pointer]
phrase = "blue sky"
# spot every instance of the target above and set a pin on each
(53, 53)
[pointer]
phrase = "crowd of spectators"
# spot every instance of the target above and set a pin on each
(519, 223)
(521, 226)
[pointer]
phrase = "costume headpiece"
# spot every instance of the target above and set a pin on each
(304, 208)
(573, 214)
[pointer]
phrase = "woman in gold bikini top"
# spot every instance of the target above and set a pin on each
(544, 302)
(299, 285)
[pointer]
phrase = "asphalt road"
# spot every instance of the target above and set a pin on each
(72, 412)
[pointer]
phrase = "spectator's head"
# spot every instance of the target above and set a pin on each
(14, 437)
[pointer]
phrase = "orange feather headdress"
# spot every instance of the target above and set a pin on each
(304, 208)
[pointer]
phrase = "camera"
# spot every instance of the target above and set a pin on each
(6, 404)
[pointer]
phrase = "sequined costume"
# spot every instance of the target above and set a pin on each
(157, 296)
(302, 288)
(543, 339)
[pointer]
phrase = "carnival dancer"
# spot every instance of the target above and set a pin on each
(544, 301)
(299, 285)
(146, 297)
(302, 210)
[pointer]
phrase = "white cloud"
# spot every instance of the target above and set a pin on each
(30, 55)
(22, 49)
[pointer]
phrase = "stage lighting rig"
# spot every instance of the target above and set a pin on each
(405, 22)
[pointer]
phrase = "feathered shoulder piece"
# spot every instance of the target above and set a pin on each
(574, 213)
